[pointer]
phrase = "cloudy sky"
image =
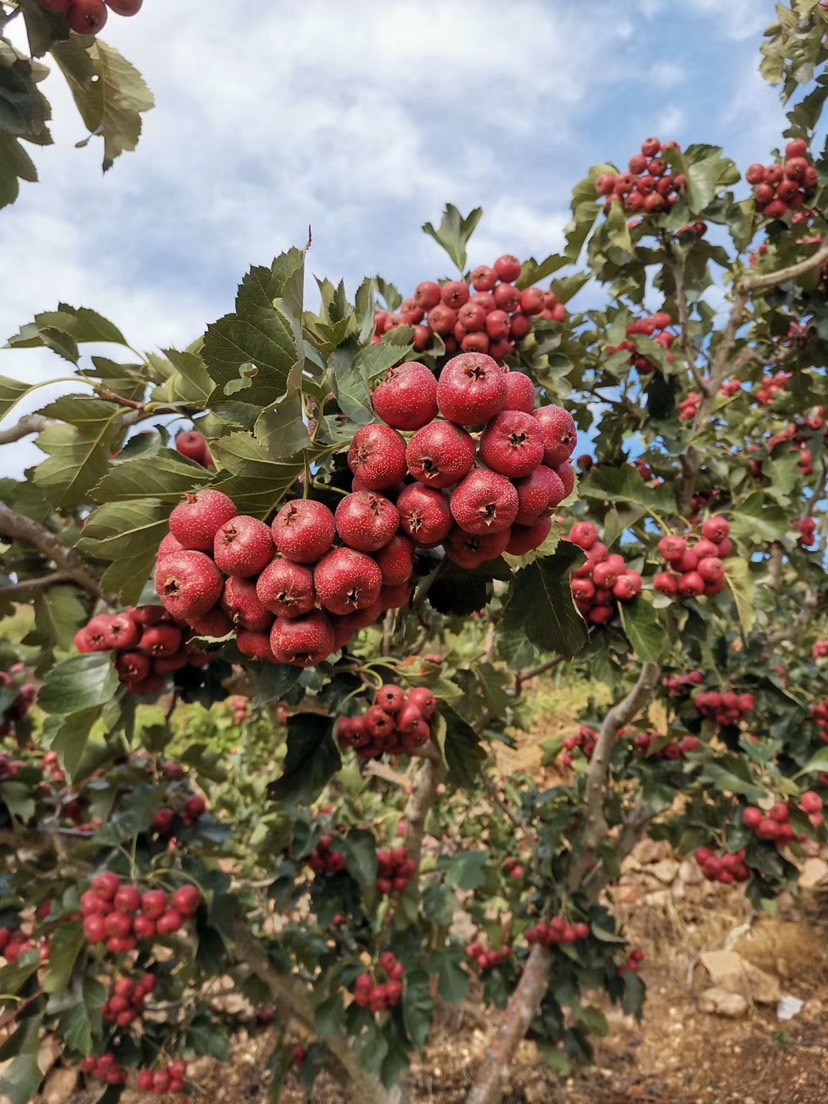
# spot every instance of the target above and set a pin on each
(361, 120)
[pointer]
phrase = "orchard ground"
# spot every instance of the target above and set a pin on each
(678, 1054)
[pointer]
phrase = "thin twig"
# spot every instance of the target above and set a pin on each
(29, 423)
(67, 560)
(23, 589)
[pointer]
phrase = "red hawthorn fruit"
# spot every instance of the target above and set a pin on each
(192, 444)
(526, 538)
(583, 534)
(520, 392)
(86, 17)
(242, 605)
(440, 454)
(243, 546)
(507, 298)
(538, 495)
(672, 548)
(162, 822)
(427, 295)
(127, 899)
(711, 569)
(716, 529)
(125, 7)
(160, 640)
(532, 301)
(94, 928)
(507, 268)
(346, 581)
(168, 544)
(255, 645)
(484, 278)
(470, 550)
(407, 397)
(396, 561)
(391, 698)
(442, 320)
(471, 389)
(303, 641)
(105, 885)
(214, 623)
(425, 701)
(498, 324)
(512, 444)
(475, 343)
(133, 666)
(665, 583)
(286, 589)
(472, 317)
(168, 922)
(304, 530)
(195, 521)
(521, 326)
(377, 457)
(691, 585)
(54, 5)
(153, 684)
(560, 434)
(121, 632)
(455, 293)
(424, 515)
(366, 521)
(484, 502)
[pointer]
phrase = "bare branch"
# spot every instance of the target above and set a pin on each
(24, 589)
(29, 423)
(764, 280)
(67, 560)
(674, 260)
(534, 672)
(422, 798)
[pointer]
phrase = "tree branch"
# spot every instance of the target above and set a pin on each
(674, 260)
(17, 591)
(67, 560)
(29, 423)
(534, 672)
(598, 770)
(422, 798)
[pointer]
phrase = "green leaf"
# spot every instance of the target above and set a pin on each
(646, 636)
(20, 1079)
(740, 581)
(259, 344)
(329, 1017)
(64, 948)
(312, 759)
(189, 383)
(707, 174)
(465, 870)
(454, 232)
(257, 482)
(634, 993)
(616, 485)
(126, 534)
(452, 979)
(59, 613)
(11, 392)
(15, 165)
(539, 604)
(281, 427)
(758, 521)
(81, 682)
(68, 735)
(360, 850)
(730, 783)
(271, 681)
(108, 91)
(356, 374)
(167, 476)
(78, 452)
(418, 1007)
(818, 763)
(533, 271)
(462, 748)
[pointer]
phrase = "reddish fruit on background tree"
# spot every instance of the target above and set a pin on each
(484, 502)
(471, 389)
(87, 17)
(195, 521)
(407, 397)
(188, 584)
(440, 454)
(377, 457)
(304, 530)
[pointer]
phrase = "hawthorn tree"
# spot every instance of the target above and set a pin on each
(353, 537)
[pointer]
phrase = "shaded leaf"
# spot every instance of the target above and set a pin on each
(312, 759)
(539, 603)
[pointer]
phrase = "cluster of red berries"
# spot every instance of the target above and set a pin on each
(633, 963)
(162, 1081)
(397, 722)
(819, 716)
(775, 825)
(584, 741)
(645, 744)
(486, 314)
(786, 185)
(394, 870)
(725, 708)
(679, 686)
(193, 445)
(126, 999)
(17, 709)
(819, 649)
(811, 805)
(647, 188)
(603, 580)
(240, 706)
(194, 808)
(695, 567)
(807, 529)
(689, 406)
(87, 17)
(727, 869)
(149, 645)
(379, 997)
(119, 915)
(487, 960)
(13, 944)
(513, 868)
(770, 388)
(105, 1068)
(556, 930)
(324, 860)
(654, 327)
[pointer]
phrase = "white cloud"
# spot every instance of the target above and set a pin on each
(735, 19)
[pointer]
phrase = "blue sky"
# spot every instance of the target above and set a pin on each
(362, 120)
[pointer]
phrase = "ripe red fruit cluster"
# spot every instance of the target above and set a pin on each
(679, 686)
(688, 407)
(728, 708)
(105, 1068)
(550, 932)
(194, 808)
(775, 825)
(819, 716)
(673, 749)
(484, 314)
(655, 327)
(476, 498)
(770, 389)
(394, 870)
(723, 868)
(149, 643)
(126, 999)
(87, 17)
(323, 860)
(120, 914)
(647, 187)
(162, 1081)
(811, 805)
(807, 528)
(13, 944)
(786, 185)
(240, 706)
(819, 649)
(603, 580)
(513, 868)
(378, 997)
(695, 568)
(486, 960)
(633, 963)
(584, 740)
(397, 722)
(193, 445)
(17, 709)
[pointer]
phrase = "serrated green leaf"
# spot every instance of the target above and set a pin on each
(539, 604)
(454, 232)
(257, 482)
(11, 392)
(167, 477)
(641, 626)
(81, 682)
(462, 749)
(59, 613)
(78, 452)
(312, 759)
(740, 581)
(15, 165)
(817, 763)
(126, 534)
(281, 427)
(616, 485)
